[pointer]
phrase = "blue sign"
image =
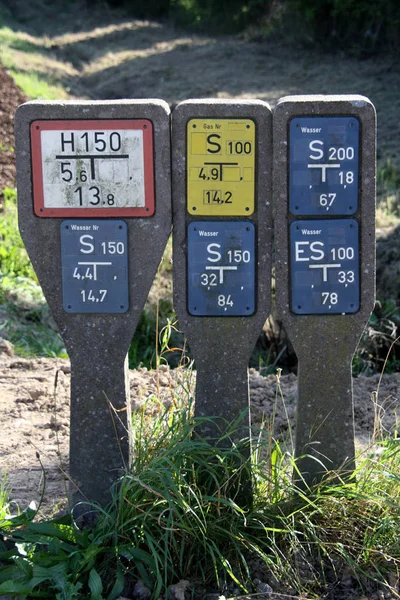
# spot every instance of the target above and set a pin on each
(325, 272)
(221, 268)
(323, 165)
(94, 256)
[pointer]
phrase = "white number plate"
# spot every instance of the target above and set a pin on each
(94, 168)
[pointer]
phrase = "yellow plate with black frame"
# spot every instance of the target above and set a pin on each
(221, 167)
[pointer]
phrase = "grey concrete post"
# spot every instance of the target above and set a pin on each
(324, 339)
(221, 345)
(97, 343)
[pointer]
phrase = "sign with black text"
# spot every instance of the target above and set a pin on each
(95, 232)
(222, 234)
(221, 166)
(93, 168)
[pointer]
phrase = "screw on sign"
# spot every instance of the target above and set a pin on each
(94, 260)
(221, 166)
(324, 189)
(222, 154)
(87, 174)
(325, 272)
(221, 267)
(93, 166)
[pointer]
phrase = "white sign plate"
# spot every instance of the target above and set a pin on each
(93, 168)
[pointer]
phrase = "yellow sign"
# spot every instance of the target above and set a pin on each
(221, 167)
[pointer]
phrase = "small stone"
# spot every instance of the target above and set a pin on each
(347, 578)
(141, 592)
(263, 588)
(35, 393)
(6, 347)
(394, 581)
(177, 591)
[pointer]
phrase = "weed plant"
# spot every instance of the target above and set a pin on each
(24, 316)
(388, 185)
(14, 261)
(380, 342)
(28, 71)
(180, 514)
(160, 327)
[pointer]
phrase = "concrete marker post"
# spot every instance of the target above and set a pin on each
(95, 215)
(221, 177)
(324, 196)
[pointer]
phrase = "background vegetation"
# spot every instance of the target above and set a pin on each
(358, 25)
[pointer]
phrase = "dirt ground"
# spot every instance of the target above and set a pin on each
(35, 416)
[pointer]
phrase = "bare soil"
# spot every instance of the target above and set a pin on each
(34, 444)
(35, 416)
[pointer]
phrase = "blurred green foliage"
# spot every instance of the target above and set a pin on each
(355, 26)
(24, 316)
(14, 260)
(360, 26)
(221, 15)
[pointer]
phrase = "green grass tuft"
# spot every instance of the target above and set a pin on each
(379, 347)
(23, 56)
(14, 261)
(388, 186)
(24, 316)
(180, 514)
(36, 87)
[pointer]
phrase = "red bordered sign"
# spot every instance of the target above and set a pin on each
(98, 168)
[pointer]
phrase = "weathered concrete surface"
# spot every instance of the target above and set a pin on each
(97, 343)
(221, 346)
(325, 344)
